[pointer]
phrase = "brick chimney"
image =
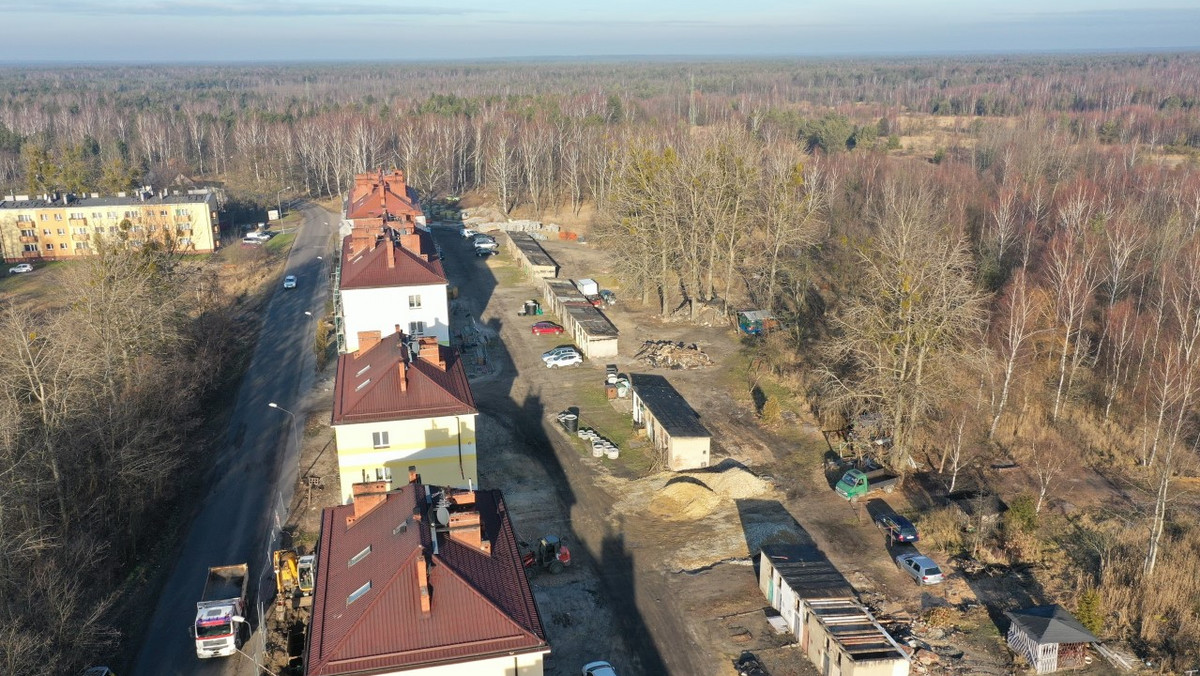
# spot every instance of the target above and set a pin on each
(391, 254)
(465, 524)
(423, 582)
(367, 496)
(413, 477)
(431, 352)
(366, 341)
(411, 241)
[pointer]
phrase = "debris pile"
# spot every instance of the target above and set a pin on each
(600, 445)
(735, 482)
(684, 498)
(672, 355)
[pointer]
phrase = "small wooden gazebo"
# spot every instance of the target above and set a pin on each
(1049, 637)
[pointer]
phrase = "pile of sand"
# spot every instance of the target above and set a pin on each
(684, 498)
(735, 482)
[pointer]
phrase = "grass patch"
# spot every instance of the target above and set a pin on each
(42, 287)
(596, 412)
(505, 272)
(280, 243)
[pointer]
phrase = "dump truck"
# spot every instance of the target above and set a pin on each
(221, 611)
(857, 483)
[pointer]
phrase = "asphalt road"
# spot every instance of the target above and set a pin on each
(254, 472)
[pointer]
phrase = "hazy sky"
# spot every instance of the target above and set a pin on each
(275, 30)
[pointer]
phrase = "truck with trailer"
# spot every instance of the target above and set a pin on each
(221, 611)
(857, 483)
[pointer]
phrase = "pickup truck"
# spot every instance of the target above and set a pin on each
(221, 611)
(857, 483)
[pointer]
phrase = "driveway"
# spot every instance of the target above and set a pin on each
(254, 473)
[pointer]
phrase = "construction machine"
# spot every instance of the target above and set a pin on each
(549, 553)
(294, 574)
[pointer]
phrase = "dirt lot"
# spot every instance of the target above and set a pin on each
(663, 581)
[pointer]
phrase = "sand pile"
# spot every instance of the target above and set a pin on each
(736, 483)
(684, 498)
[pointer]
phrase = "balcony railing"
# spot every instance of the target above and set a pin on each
(77, 237)
(28, 239)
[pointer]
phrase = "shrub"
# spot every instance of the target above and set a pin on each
(1090, 611)
(942, 530)
(771, 411)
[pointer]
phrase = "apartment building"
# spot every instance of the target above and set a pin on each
(58, 226)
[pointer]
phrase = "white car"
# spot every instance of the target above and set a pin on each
(564, 359)
(921, 568)
(599, 669)
(559, 351)
(261, 235)
(485, 243)
(468, 233)
(289, 282)
(18, 269)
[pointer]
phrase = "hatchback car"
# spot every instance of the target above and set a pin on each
(289, 282)
(921, 568)
(546, 329)
(484, 252)
(560, 350)
(18, 269)
(599, 669)
(897, 528)
(565, 359)
(468, 233)
(486, 244)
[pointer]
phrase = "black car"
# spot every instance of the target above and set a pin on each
(484, 253)
(897, 528)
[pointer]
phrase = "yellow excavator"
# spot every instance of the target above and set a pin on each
(294, 574)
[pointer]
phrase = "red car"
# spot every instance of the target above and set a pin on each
(546, 329)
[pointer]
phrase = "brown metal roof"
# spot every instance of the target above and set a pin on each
(480, 605)
(372, 266)
(368, 385)
(379, 194)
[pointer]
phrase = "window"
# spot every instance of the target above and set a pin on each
(77, 215)
(50, 247)
(61, 231)
(383, 474)
(95, 214)
(42, 217)
(45, 231)
(58, 217)
(416, 328)
(112, 228)
(112, 214)
(24, 218)
(358, 593)
(414, 302)
(181, 212)
(359, 556)
(31, 247)
(379, 439)
(362, 371)
(185, 241)
(137, 228)
(81, 231)
(29, 233)
(99, 230)
(79, 246)
(63, 245)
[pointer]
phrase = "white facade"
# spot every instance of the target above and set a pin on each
(527, 664)
(421, 307)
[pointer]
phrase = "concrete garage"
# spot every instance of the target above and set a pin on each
(530, 255)
(837, 633)
(588, 327)
(671, 424)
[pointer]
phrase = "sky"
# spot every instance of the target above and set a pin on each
(172, 31)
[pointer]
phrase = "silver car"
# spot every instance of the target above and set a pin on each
(921, 568)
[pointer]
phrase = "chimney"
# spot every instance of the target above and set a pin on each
(413, 477)
(391, 255)
(366, 497)
(423, 582)
(431, 352)
(366, 341)
(411, 241)
(466, 526)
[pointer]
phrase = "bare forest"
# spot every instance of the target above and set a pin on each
(1000, 257)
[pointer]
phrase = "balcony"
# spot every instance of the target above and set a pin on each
(28, 239)
(31, 254)
(78, 220)
(183, 217)
(80, 237)
(183, 232)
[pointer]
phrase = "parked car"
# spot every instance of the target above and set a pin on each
(897, 528)
(560, 350)
(289, 282)
(599, 669)
(468, 233)
(20, 268)
(748, 665)
(546, 329)
(564, 359)
(486, 244)
(484, 252)
(921, 568)
(609, 297)
(252, 241)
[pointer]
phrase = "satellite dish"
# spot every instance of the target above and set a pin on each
(443, 516)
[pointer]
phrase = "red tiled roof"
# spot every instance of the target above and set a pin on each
(367, 388)
(375, 194)
(367, 265)
(481, 604)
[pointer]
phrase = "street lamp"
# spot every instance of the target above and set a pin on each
(294, 438)
(279, 202)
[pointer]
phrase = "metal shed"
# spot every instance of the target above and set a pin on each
(671, 424)
(531, 256)
(1048, 637)
(587, 326)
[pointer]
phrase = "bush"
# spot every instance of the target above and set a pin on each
(1090, 611)
(1021, 516)
(771, 411)
(942, 530)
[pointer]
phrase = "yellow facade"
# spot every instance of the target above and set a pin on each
(442, 449)
(40, 229)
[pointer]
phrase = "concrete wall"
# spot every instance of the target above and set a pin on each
(682, 452)
(542, 271)
(782, 598)
(382, 309)
(434, 445)
(516, 665)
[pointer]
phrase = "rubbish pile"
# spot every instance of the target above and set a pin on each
(672, 355)
(684, 498)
